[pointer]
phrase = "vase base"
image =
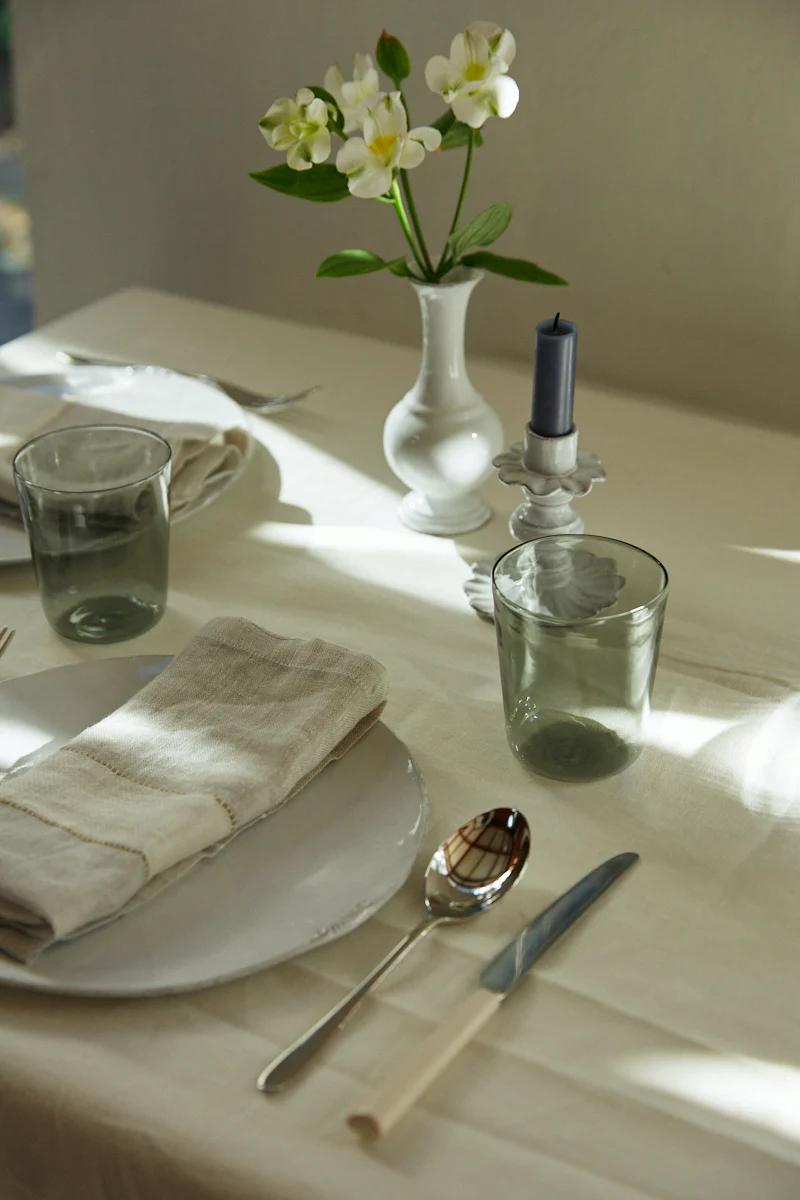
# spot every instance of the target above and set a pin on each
(461, 514)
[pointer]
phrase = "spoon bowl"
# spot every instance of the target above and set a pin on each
(477, 864)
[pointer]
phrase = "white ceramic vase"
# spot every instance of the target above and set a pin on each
(440, 439)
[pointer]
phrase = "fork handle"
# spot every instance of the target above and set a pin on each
(282, 1069)
(97, 360)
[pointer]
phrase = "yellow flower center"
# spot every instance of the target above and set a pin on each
(383, 145)
(474, 71)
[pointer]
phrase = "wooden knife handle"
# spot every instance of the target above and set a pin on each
(418, 1069)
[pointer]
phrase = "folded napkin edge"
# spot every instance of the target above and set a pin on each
(263, 644)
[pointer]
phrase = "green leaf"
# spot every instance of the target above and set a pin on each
(481, 230)
(322, 183)
(337, 120)
(458, 135)
(455, 133)
(444, 122)
(513, 268)
(358, 262)
(393, 58)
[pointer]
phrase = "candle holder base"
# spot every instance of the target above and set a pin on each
(478, 588)
(552, 475)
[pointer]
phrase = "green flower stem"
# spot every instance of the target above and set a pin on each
(403, 219)
(409, 197)
(460, 202)
(412, 212)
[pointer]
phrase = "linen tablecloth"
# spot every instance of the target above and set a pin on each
(655, 1053)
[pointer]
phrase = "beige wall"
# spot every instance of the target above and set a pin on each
(654, 160)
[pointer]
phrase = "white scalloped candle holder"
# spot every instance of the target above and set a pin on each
(552, 474)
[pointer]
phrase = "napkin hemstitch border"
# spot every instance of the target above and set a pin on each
(82, 837)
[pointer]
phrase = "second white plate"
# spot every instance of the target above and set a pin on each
(141, 392)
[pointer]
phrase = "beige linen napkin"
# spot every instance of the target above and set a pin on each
(201, 452)
(233, 728)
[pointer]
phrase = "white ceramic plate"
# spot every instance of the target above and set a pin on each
(138, 394)
(313, 871)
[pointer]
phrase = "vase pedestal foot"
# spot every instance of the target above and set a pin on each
(447, 517)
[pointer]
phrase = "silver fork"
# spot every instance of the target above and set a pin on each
(6, 636)
(243, 396)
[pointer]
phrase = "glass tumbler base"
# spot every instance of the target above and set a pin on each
(575, 749)
(107, 619)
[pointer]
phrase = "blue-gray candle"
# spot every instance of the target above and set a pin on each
(554, 377)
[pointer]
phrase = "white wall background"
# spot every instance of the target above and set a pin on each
(654, 161)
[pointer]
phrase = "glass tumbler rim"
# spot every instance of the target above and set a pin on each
(93, 428)
(600, 618)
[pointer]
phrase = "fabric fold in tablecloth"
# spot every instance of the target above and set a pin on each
(235, 726)
(201, 452)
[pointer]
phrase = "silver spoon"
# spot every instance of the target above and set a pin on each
(243, 396)
(469, 872)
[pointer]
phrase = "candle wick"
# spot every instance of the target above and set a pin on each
(555, 322)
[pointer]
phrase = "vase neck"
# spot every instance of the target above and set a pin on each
(444, 312)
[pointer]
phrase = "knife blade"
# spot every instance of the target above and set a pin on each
(504, 972)
(497, 980)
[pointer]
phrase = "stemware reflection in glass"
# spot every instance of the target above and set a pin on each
(578, 622)
(95, 503)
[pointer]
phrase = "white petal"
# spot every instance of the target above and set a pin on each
(390, 116)
(459, 54)
(471, 107)
(354, 155)
(297, 158)
(370, 83)
(485, 29)
(371, 130)
(437, 74)
(353, 122)
(351, 95)
(362, 65)
(281, 111)
(317, 112)
(319, 145)
(495, 68)
(430, 138)
(371, 182)
(411, 154)
(304, 97)
(333, 82)
(504, 96)
(506, 48)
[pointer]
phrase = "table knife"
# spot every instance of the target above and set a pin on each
(497, 980)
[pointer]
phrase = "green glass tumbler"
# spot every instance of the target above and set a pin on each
(578, 622)
(95, 503)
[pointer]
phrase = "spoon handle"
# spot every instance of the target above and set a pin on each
(277, 1074)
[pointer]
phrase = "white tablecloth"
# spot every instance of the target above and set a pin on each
(656, 1052)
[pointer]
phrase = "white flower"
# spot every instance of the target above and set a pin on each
(387, 145)
(300, 127)
(473, 80)
(359, 96)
